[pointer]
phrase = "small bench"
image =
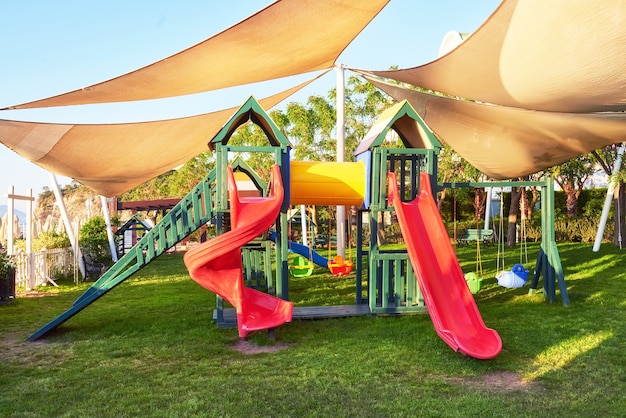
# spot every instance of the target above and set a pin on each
(93, 269)
(473, 235)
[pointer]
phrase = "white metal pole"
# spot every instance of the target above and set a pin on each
(487, 207)
(107, 219)
(29, 238)
(9, 228)
(66, 221)
(303, 224)
(341, 139)
(607, 201)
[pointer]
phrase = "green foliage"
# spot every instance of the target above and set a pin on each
(174, 183)
(252, 135)
(571, 177)
(6, 264)
(94, 241)
(51, 239)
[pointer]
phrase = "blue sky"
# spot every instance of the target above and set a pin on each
(48, 48)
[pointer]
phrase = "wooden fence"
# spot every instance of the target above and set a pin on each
(43, 267)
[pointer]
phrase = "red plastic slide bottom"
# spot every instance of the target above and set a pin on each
(447, 296)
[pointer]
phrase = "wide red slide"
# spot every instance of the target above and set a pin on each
(448, 298)
(216, 264)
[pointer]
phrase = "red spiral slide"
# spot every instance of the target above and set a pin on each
(449, 301)
(216, 264)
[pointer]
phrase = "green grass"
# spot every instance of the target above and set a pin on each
(150, 348)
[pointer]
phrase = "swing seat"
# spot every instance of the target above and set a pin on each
(339, 266)
(473, 282)
(301, 267)
(515, 278)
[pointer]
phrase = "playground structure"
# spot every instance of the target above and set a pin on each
(239, 270)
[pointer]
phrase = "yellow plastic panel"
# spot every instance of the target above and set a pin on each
(327, 183)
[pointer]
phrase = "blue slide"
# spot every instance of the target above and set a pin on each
(304, 251)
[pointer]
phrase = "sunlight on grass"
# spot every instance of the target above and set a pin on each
(565, 352)
(151, 348)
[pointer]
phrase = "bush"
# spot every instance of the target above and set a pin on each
(94, 241)
(51, 239)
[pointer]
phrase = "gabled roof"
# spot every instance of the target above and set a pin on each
(405, 121)
(251, 110)
(133, 224)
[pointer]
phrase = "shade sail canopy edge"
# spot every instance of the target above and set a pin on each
(559, 56)
(113, 158)
(506, 142)
(288, 37)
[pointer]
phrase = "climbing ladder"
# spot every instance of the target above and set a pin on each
(193, 211)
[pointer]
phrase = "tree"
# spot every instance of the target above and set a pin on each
(93, 239)
(190, 174)
(571, 176)
(364, 104)
(252, 135)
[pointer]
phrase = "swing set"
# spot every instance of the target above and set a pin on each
(548, 263)
(518, 275)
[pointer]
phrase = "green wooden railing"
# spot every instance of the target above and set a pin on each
(396, 289)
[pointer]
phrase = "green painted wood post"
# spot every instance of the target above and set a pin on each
(359, 257)
(372, 268)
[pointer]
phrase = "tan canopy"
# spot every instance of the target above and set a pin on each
(506, 142)
(113, 158)
(288, 37)
(539, 83)
(557, 55)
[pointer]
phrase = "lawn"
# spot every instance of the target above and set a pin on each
(150, 348)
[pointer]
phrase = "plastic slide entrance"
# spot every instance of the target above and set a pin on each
(216, 264)
(304, 251)
(448, 298)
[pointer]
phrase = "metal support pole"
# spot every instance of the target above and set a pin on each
(107, 219)
(66, 221)
(607, 202)
(303, 224)
(487, 207)
(9, 229)
(341, 134)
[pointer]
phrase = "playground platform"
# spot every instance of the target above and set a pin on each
(229, 318)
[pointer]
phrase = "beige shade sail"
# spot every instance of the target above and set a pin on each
(113, 158)
(505, 142)
(557, 55)
(286, 38)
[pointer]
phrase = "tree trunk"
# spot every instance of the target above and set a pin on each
(380, 233)
(572, 200)
(479, 204)
(442, 197)
(511, 236)
(533, 201)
